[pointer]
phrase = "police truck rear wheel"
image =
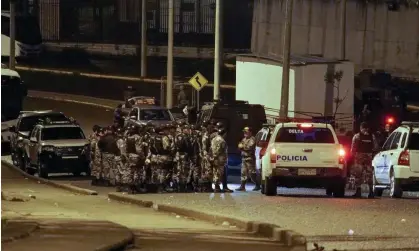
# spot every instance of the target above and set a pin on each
(339, 189)
(395, 189)
(262, 186)
(270, 186)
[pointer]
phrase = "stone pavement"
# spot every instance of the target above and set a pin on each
(63, 235)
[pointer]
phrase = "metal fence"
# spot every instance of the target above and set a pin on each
(119, 21)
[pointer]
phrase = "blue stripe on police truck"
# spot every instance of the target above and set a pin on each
(291, 158)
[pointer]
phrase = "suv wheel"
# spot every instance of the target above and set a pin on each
(270, 186)
(42, 170)
(378, 192)
(395, 189)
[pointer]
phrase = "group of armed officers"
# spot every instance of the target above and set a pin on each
(145, 158)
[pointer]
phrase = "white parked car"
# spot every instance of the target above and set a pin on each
(396, 166)
(304, 155)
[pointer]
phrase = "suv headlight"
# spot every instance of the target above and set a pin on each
(48, 148)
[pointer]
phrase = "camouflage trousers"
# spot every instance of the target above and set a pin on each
(154, 172)
(195, 171)
(119, 166)
(96, 168)
(219, 163)
(248, 169)
(361, 170)
(183, 169)
(206, 169)
(136, 172)
(108, 165)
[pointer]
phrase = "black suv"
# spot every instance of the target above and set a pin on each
(26, 121)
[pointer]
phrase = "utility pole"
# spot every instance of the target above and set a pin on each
(169, 93)
(144, 38)
(12, 48)
(218, 52)
(342, 29)
(286, 54)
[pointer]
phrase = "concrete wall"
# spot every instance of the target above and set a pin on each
(376, 38)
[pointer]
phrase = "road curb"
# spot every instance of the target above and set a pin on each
(33, 226)
(67, 187)
(287, 237)
(122, 244)
(53, 96)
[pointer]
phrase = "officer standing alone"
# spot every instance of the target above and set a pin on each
(248, 168)
(363, 146)
(219, 157)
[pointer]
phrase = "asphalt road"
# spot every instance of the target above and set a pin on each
(382, 223)
(153, 230)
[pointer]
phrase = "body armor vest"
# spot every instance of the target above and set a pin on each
(365, 144)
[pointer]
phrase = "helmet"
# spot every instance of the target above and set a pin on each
(95, 128)
(219, 125)
(221, 131)
(205, 123)
(247, 129)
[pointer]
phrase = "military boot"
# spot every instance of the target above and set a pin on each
(217, 188)
(141, 188)
(357, 193)
(207, 187)
(256, 179)
(161, 188)
(131, 189)
(119, 187)
(94, 182)
(181, 187)
(242, 187)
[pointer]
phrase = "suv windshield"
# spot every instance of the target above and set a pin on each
(28, 123)
(305, 135)
(154, 114)
(414, 141)
(57, 133)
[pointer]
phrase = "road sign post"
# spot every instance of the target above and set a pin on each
(198, 81)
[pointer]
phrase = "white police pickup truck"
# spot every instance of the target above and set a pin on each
(304, 155)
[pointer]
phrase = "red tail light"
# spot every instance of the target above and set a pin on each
(390, 120)
(404, 158)
(305, 125)
(273, 156)
(342, 155)
(262, 152)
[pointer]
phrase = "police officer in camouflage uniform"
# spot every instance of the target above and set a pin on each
(182, 159)
(142, 150)
(120, 161)
(219, 157)
(166, 160)
(107, 145)
(154, 163)
(248, 168)
(133, 159)
(363, 146)
(206, 169)
(195, 157)
(98, 159)
(93, 139)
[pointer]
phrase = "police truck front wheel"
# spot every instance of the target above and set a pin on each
(270, 186)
